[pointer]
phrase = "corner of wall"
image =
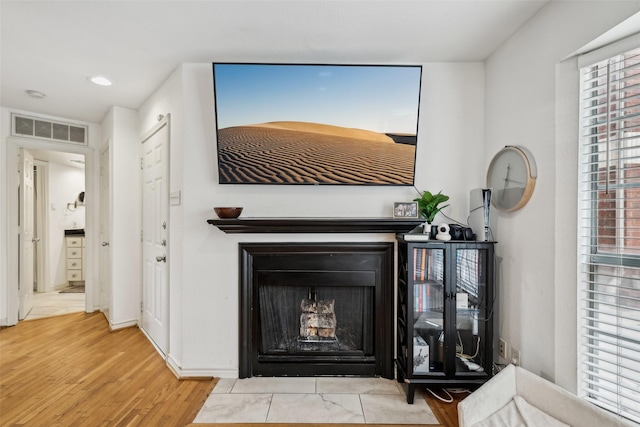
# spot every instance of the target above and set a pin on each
(566, 237)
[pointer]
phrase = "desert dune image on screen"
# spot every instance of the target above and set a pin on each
(316, 124)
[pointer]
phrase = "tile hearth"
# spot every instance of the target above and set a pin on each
(312, 400)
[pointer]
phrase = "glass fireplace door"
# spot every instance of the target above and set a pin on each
(315, 320)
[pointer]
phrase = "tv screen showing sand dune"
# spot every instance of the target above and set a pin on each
(316, 124)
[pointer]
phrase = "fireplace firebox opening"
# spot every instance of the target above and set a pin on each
(316, 309)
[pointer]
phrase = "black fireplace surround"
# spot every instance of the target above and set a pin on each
(350, 285)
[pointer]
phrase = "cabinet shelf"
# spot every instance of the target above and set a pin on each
(445, 293)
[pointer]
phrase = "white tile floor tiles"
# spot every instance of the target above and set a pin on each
(54, 303)
(313, 400)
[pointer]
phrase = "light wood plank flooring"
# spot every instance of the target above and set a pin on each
(72, 371)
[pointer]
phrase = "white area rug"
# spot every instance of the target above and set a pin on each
(313, 400)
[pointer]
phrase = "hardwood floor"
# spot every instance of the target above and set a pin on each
(72, 371)
(447, 413)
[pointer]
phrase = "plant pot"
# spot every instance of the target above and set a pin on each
(430, 229)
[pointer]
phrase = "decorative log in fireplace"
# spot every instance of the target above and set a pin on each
(312, 309)
(318, 320)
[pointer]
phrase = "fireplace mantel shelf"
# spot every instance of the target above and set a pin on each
(316, 225)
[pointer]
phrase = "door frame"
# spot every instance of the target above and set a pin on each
(26, 232)
(105, 267)
(13, 146)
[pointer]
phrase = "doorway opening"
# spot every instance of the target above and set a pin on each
(59, 231)
(48, 209)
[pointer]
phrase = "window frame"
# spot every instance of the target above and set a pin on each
(594, 257)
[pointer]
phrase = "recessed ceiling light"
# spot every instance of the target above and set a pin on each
(35, 94)
(99, 80)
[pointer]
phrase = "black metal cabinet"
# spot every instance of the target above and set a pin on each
(445, 306)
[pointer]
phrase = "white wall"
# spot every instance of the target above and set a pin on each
(121, 128)
(537, 245)
(65, 183)
(203, 261)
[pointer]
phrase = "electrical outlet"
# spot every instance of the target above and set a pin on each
(515, 356)
(502, 348)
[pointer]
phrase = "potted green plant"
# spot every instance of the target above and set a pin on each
(429, 205)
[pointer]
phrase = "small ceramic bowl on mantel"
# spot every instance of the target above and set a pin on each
(227, 212)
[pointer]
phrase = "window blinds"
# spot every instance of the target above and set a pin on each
(609, 221)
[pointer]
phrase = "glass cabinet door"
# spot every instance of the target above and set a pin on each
(428, 310)
(470, 304)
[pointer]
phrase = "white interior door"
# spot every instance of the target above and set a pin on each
(155, 231)
(39, 230)
(105, 232)
(41, 224)
(27, 237)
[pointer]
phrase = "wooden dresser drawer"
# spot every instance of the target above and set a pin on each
(74, 253)
(74, 264)
(74, 242)
(74, 275)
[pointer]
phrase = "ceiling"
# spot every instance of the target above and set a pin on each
(54, 46)
(71, 160)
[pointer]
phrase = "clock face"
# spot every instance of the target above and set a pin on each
(509, 179)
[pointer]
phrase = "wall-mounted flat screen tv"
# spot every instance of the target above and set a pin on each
(316, 124)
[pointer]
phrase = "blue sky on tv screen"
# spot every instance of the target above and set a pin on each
(377, 98)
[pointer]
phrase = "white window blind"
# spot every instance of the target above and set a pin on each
(609, 306)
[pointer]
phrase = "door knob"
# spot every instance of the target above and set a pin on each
(105, 243)
(162, 258)
(35, 240)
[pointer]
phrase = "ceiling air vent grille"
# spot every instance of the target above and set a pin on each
(33, 127)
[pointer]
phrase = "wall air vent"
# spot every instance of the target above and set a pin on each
(33, 127)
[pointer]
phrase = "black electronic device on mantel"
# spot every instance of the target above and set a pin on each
(316, 124)
(460, 232)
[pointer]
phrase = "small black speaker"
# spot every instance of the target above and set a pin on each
(459, 232)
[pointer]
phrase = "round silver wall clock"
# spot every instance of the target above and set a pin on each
(512, 177)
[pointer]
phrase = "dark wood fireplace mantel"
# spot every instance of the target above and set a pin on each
(316, 225)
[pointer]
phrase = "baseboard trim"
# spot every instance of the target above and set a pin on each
(114, 326)
(199, 373)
